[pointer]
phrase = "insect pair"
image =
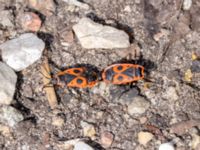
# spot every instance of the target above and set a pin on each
(83, 77)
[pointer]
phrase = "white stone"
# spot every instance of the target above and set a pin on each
(8, 80)
(10, 116)
(187, 4)
(171, 94)
(94, 35)
(166, 146)
(138, 106)
(23, 51)
(144, 137)
(82, 146)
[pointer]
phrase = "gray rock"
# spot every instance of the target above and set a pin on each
(94, 35)
(82, 146)
(10, 116)
(8, 80)
(23, 51)
(138, 106)
(126, 97)
(5, 18)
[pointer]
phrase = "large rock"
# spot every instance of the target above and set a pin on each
(10, 116)
(8, 80)
(23, 51)
(94, 35)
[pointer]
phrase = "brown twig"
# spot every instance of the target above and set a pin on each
(50, 92)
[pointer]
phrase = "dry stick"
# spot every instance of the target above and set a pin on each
(50, 92)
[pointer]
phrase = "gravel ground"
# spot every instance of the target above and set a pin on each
(163, 108)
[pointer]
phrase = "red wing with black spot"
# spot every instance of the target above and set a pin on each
(123, 73)
(77, 77)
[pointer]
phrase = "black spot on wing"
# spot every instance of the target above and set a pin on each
(67, 78)
(79, 81)
(129, 72)
(109, 74)
(120, 78)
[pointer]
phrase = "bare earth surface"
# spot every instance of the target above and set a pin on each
(166, 35)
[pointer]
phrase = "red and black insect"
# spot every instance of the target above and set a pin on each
(123, 73)
(79, 77)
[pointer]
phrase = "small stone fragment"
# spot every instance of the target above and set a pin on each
(46, 7)
(187, 4)
(138, 106)
(23, 51)
(88, 129)
(58, 121)
(10, 116)
(78, 4)
(68, 145)
(5, 130)
(82, 146)
(5, 19)
(144, 137)
(159, 35)
(8, 80)
(166, 146)
(125, 97)
(94, 35)
(107, 139)
(195, 68)
(171, 94)
(195, 141)
(127, 8)
(30, 21)
(68, 36)
(143, 120)
(194, 56)
(188, 75)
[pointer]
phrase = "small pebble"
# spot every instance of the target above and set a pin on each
(5, 130)
(88, 129)
(195, 141)
(8, 80)
(82, 146)
(23, 51)
(143, 120)
(68, 36)
(127, 8)
(126, 97)
(30, 21)
(171, 94)
(68, 145)
(188, 75)
(187, 4)
(138, 106)
(10, 116)
(58, 121)
(195, 66)
(159, 35)
(144, 137)
(166, 146)
(94, 35)
(107, 139)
